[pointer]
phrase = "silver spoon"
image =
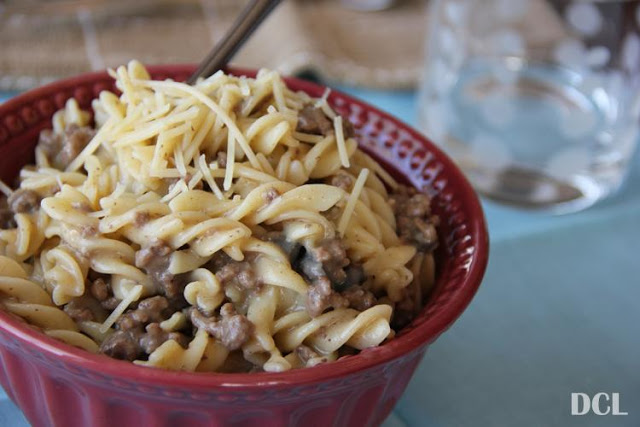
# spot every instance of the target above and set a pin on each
(250, 18)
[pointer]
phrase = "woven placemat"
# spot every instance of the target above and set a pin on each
(44, 40)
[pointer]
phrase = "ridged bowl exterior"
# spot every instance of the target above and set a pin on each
(55, 393)
(57, 385)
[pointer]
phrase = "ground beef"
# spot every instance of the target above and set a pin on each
(230, 328)
(135, 344)
(359, 298)
(329, 271)
(342, 180)
(62, 149)
(155, 336)
(99, 289)
(139, 332)
(313, 120)
(410, 202)
(121, 345)
(155, 261)
(78, 310)
(328, 258)
(355, 276)
(149, 310)
(24, 201)
(141, 218)
(230, 272)
(6, 219)
(110, 303)
(414, 222)
(321, 297)
(347, 128)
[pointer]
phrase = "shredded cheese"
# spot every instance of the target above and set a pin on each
(179, 159)
(245, 90)
(91, 147)
(278, 94)
(154, 128)
(195, 180)
(323, 98)
(133, 295)
(226, 119)
(342, 147)
(134, 186)
(353, 199)
(324, 105)
(206, 173)
(178, 187)
(199, 138)
(231, 162)
(266, 166)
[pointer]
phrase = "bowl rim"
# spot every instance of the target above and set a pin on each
(406, 343)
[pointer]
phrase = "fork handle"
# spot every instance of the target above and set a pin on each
(250, 18)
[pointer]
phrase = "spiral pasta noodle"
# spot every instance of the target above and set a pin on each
(24, 298)
(228, 226)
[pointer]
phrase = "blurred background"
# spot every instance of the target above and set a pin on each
(44, 40)
(558, 310)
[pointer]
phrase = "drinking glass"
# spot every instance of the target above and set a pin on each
(537, 100)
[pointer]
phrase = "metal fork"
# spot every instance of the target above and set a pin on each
(250, 18)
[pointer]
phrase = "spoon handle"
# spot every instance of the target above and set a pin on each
(250, 18)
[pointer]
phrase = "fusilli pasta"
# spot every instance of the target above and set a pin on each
(233, 225)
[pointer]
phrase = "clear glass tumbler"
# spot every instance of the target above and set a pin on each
(537, 100)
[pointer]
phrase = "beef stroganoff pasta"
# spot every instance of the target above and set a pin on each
(229, 226)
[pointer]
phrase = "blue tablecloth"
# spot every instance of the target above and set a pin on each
(557, 313)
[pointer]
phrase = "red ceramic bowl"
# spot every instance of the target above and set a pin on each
(58, 385)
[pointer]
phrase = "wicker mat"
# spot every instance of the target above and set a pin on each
(44, 40)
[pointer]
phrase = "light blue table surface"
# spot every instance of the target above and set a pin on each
(558, 312)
